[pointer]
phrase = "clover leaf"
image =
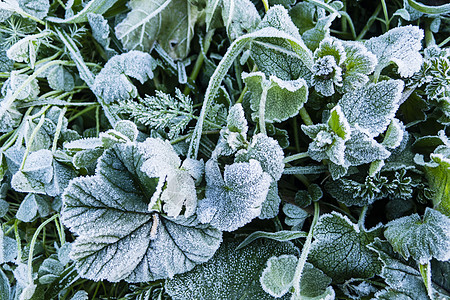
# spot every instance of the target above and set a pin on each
(112, 83)
(230, 274)
(118, 237)
(340, 248)
(400, 46)
(421, 238)
(284, 98)
(236, 199)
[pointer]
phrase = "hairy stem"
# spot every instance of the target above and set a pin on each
(262, 111)
(295, 157)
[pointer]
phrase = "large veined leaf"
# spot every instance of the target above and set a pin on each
(340, 248)
(284, 98)
(169, 22)
(400, 46)
(112, 83)
(230, 274)
(421, 238)
(372, 107)
(403, 278)
(118, 237)
(236, 199)
(279, 57)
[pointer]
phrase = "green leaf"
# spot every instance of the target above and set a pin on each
(277, 56)
(338, 123)
(277, 277)
(50, 270)
(284, 99)
(437, 172)
(60, 79)
(93, 6)
(319, 32)
(421, 238)
(236, 199)
(15, 84)
(169, 22)
(118, 237)
(359, 63)
(400, 46)
(271, 206)
(112, 83)
(372, 107)
(295, 216)
(239, 17)
(230, 274)
(340, 248)
(394, 134)
(280, 236)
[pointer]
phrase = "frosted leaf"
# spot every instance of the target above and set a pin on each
(168, 22)
(42, 175)
(394, 134)
(326, 74)
(10, 117)
(14, 84)
(284, 99)
(60, 79)
(421, 238)
(176, 185)
(403, 279)
(236, 199)
(83, 144)
(437, 172)
(362, 149)
(303, 15)
(277, 277)
(326, 144)
(276, 56)
(24, 50)
(331, 47)
(100, 31)
(80, 295)
(340, 248)
(295, 216)
(230, 274)
(4, 205)
(118, 238)
(91, 6)
(37, 8)
(372, 107)
(128, 129)
(8, 248)
(236, 121)
(6, 64)
(239, 17)
(31, 205)
(314, 285)
(400, 46)
(112, 83)
(321, 30)
(5, 287)
(270, 206)
(50, 270)
(267, 151)
(358, 64)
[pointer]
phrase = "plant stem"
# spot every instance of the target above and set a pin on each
(262, 111)
(369, 23)
(305, 252)
(33, 243)
(386, 16)
(362, 216)
(30, 141)
(19, 244)
(200, 60)
(425, 271)
(58, 128)
(305, 116)
(295, 157)
(266, 5)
